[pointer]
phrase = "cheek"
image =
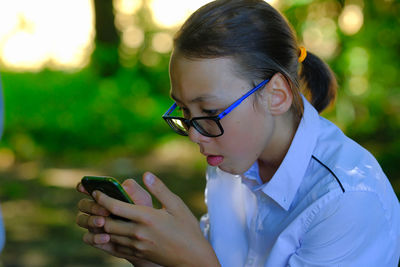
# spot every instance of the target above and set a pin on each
(245, 138)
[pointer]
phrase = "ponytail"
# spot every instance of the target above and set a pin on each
(319, 80)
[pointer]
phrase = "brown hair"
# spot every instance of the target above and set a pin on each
(261, 41)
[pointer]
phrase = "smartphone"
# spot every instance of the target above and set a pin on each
(109, 186)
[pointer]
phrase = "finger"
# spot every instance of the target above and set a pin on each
(169, 200)
(96, 239)
(91, 207)
(117, 251)
(86, 221)
(122, 228)
(81, 189)
(133, 247)
(123, 241)
(137, 193)
(126, 250)
(82, 219)
(132, 212)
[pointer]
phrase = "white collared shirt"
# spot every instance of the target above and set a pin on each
(328, 204)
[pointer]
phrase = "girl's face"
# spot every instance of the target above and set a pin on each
(205, 87)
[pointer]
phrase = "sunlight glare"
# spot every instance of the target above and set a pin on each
(173, 13)
(46, 33)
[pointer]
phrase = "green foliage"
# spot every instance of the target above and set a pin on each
(55, 112)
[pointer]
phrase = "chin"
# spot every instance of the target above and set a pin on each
(235, 168)
(230, 170)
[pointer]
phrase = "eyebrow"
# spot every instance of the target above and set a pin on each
(198, 99)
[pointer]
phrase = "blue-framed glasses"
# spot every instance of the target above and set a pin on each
(207, 126)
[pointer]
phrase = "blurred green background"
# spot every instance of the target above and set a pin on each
(85, 85)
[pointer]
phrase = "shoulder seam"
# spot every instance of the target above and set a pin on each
(334, 175)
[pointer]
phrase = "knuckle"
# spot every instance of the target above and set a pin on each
(91, 222)
(142, 249)
(147, 220)
(157, 190)
(81, 220)
(107, 227)
(82, 204)
(138, 254)
(139, 236)
(95, 209)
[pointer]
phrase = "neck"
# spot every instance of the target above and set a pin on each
(282, 137)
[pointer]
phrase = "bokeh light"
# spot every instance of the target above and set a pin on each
(320, 37)
(128, 7)
(162, 42)
(358, 59)
(351, 19)
(132, 36)
(319, 30)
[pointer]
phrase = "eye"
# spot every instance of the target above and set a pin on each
(211, 112)
(184, 111)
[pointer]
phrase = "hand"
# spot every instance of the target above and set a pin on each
(170, 236)
(93, 218)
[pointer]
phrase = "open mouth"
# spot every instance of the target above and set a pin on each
(215, 160)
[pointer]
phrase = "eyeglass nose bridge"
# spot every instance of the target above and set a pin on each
(191, 123)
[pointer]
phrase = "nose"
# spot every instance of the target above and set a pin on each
(197, 137)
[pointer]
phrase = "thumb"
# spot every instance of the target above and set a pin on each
(137, 193)
(169, 200)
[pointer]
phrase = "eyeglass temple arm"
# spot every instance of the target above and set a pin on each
(240, 100)
(170, 109)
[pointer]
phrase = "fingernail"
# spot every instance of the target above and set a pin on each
(104, 238)
(98, 221)
(150, 178)
(101, 239)
(94, 194)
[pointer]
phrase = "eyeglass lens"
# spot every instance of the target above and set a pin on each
(204, 126)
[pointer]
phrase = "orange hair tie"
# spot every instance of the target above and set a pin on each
(303, 54)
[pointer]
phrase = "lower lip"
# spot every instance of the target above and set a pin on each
(215, 160)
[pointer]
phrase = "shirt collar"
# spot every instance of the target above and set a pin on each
(283, 186)
(253, 173)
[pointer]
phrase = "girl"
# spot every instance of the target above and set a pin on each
(284, 186)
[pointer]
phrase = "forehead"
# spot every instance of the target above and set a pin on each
(203, 78)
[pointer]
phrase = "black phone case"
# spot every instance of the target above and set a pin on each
(108, 186)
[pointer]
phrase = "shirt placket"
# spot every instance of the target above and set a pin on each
(256, 232)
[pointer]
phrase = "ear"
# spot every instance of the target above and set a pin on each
(280, 97)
